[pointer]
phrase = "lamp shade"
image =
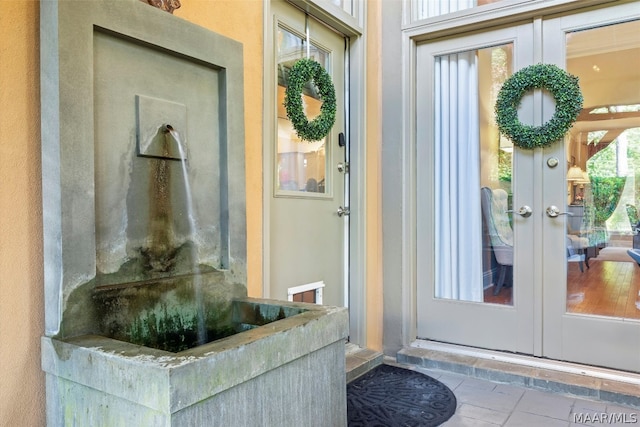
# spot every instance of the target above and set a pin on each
(574, 174)
(585, 178)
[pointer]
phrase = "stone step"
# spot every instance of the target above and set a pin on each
(537, 373)
(360, 360)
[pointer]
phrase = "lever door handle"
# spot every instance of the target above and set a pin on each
(553, 211)
(524, 211)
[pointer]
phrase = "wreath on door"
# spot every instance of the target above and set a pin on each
(565, 90)
(301, 72)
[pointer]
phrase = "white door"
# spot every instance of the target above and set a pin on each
(593, 316)
(306, 180)
(482, 205)
(459, 153)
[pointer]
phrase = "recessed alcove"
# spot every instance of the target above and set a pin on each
(147, 320)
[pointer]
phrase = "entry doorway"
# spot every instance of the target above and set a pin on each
(507, 240)
(306, 183)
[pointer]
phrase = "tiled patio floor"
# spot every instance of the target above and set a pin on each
(499, 402)
(483, 403)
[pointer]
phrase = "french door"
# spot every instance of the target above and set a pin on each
(458, 153)
(595, 322)
(510, 253)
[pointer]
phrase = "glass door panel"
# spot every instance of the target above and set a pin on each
(595, 318)
(473, 163)
(605, 197)
(473, 279)
(301, 166)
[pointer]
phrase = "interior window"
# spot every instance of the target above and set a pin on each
(423, 9)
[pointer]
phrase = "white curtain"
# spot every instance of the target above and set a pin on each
(458, 217)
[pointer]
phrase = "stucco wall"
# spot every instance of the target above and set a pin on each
(374, 267)
(242, 21)
(21, 293)
(22, 393)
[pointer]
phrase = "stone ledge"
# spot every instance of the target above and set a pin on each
(519, 373)
(360, 361)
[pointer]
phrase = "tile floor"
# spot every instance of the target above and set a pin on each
(487, 403)
(483, 403)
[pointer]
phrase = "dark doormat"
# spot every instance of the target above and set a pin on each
(388, 396)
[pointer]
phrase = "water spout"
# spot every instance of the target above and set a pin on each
(161, 250)
(197, 278)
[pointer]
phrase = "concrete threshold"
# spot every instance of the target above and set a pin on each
(543, 374)
(360, 360)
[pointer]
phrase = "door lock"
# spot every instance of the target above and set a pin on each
(343, 211)
(343, 167)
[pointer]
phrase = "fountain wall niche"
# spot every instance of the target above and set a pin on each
(147, 319)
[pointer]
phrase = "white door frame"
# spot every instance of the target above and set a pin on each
(406, 271)
(351, 27)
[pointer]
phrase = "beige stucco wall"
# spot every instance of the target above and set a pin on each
(21, 265)
(22, 394)
(374, 174)
(242, 21)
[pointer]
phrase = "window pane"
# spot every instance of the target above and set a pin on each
(423, 9)
(346, 5)
(301, 165)
(474, 236)
(604, 147)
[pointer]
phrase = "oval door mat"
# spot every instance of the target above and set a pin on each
(390, 396)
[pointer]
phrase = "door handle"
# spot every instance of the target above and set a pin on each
(553, 211)
(524, 211)
(343, 211)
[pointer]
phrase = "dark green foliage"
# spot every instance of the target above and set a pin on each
(606, 195)
(301, 72)
(566, 92)
(504, 166)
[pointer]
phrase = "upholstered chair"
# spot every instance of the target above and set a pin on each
(494, 211)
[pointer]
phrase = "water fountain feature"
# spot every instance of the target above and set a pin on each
(147, 320)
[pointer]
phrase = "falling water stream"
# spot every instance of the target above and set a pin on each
(197, 277)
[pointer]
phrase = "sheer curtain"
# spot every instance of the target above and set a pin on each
(458, 218)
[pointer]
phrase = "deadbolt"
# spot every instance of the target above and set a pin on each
(343, 167)
(343, 211)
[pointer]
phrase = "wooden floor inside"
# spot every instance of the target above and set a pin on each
(607, 288)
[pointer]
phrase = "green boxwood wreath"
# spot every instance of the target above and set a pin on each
(301, 72)
(566, 92)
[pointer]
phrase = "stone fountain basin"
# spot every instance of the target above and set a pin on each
(251, 378)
